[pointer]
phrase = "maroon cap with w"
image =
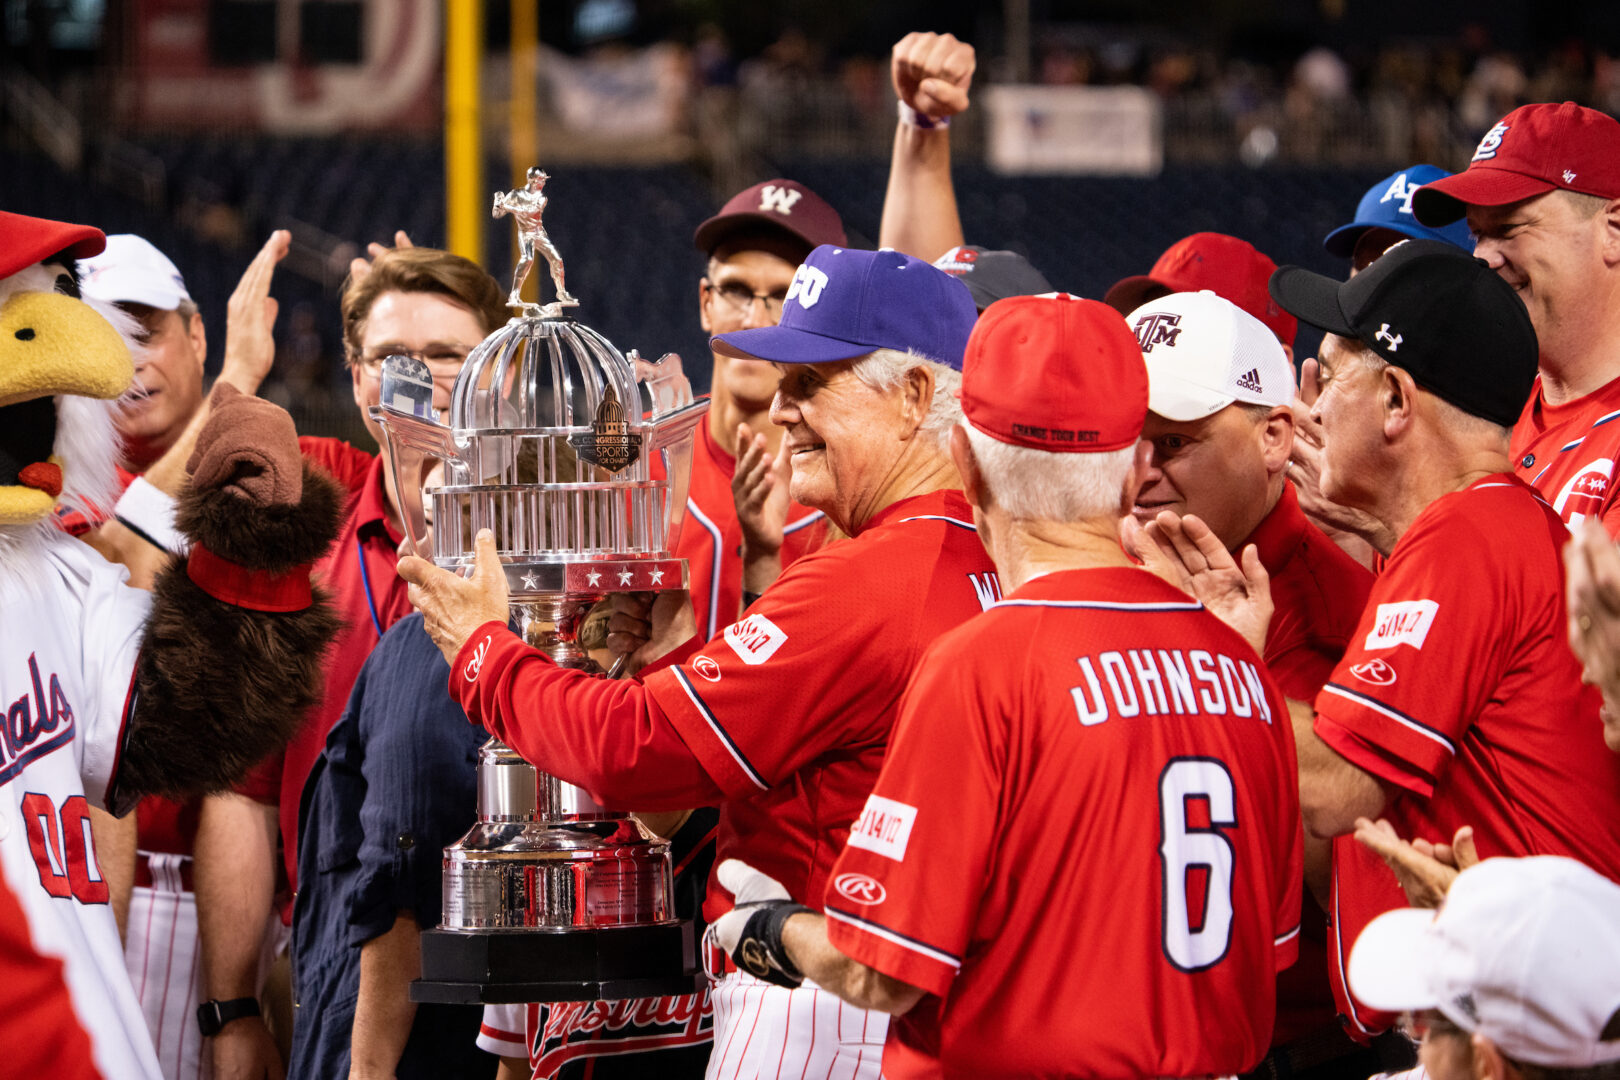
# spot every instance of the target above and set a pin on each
(776, 205)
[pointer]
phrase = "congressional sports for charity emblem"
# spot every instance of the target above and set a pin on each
(609, 443)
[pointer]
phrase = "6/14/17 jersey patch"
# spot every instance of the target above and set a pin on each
(884, 827)
(755, 639)
(1404, 623)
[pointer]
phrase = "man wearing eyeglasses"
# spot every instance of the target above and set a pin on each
(736, 544)
(436, 307)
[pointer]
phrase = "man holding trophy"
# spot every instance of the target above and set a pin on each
(774, 720)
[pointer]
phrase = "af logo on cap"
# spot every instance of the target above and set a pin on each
(1158, 328)
(808, 281)
(1490, 144)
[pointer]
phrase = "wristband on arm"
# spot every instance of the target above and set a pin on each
(148, 512)
(912, 118)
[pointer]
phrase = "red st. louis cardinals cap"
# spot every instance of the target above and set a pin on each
(1230, 268)
(1530, 151)
(1055, 373)
(24, 241)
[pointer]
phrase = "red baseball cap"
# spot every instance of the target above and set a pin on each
(1055, 373)
(1530, 151)
(24, 241)
(1230, 268)
(784, 205)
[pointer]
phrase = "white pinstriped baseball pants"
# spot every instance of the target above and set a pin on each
(766, 1032)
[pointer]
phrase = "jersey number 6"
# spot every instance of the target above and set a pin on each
(1184, 848)
(65, 853)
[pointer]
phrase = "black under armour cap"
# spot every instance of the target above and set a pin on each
(1434, 311)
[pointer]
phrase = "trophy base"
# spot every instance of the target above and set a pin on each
(503, 967)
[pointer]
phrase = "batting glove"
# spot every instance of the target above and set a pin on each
(751, 932)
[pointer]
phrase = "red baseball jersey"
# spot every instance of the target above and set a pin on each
(1460, 690)
(711, 540)
(782, 720)
(1318, 593)
(1085, 842)
(1567, 453)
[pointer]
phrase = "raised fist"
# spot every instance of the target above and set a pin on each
(249, 448)
(932, 73)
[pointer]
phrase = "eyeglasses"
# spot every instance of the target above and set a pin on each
(1418, 1026)
(741, 300)
(443, 362)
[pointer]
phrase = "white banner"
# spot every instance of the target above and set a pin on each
(1107, 130)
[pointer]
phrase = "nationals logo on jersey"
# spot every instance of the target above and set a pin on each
(754, 639)
(1586, 492)
(1403, 623)
(35, 724)
(570, 1030)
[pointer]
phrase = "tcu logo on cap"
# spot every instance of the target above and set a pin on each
(807, 285)
(779, 199)
(1490, 144)
(1159, 328)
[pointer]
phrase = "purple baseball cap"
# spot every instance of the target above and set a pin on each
(845, 303)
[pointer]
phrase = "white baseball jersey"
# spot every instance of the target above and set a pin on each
(767, 1032)
(165, 964)
(67, 654)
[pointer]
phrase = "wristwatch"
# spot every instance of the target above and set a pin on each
(213, 1015)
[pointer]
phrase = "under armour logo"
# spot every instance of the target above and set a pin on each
(1569, 177)
(476, 664)
(1384, 335)
(1250, 381)
(1159, 328)
(1490, 144)
(780, 199)
(807, 285)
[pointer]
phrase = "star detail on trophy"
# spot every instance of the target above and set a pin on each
(594, 578)
(610, 442)
(531, 581)
(626, 576)
(656, 575)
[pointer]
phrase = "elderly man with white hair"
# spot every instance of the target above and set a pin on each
(1082, 857)
(784, 718)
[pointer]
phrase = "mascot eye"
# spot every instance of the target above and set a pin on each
(68, 284)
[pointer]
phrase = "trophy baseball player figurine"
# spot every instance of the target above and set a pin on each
(526, 205)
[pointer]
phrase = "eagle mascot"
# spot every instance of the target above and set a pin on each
(107, 692)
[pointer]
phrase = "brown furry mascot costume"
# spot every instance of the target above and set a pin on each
(109, 693)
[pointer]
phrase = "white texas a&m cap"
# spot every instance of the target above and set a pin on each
(1524, 951)
(1203, 353)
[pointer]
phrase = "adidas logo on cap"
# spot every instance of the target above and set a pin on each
(1250, 381)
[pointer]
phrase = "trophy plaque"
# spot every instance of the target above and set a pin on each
(577, 457)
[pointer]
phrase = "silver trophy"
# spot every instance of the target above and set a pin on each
(577, 457)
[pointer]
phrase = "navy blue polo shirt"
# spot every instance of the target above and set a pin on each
(396, 784)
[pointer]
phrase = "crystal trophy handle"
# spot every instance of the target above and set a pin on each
(414, 437)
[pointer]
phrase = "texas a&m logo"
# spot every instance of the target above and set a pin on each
(1403, 623)
(754, 639)
(1159, 328)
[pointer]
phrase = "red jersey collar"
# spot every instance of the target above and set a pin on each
(1281, 532)
(949, 504)
(1543, 415)
(371, 508)
(1102, 584)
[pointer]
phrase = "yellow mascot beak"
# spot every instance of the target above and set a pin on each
(50, 345)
